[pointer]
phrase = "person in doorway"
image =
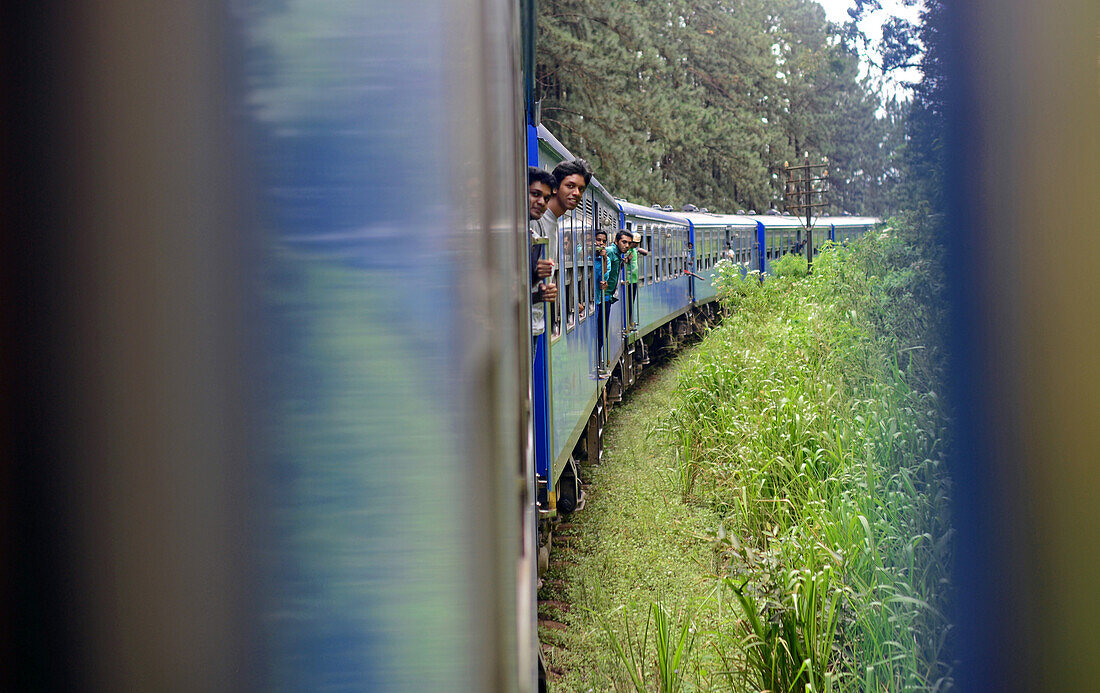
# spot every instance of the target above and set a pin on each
(540, 190)
(614, 260)
(636, 250)
(571, 179)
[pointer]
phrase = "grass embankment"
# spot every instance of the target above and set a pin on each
(783, 525)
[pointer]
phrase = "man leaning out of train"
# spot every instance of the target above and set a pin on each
(540, 189)
(571, 178)
(615, 257)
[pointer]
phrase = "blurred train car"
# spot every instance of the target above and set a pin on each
(268, 398)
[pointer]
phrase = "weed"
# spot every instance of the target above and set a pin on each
(794, 498)
(672, 645)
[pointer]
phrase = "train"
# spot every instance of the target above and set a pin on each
(275, 411)
(676, 293)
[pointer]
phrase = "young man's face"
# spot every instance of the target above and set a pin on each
(571, 191)
(623, 242)
(601, 240)
(538, 194)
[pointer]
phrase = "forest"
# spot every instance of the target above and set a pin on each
(703, 101)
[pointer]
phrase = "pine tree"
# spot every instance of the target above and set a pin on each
(702, 101)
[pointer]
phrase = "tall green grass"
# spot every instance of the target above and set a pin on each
(811, 422)
(671, 649)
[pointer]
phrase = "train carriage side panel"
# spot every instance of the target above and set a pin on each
(573, 336)
(719, 237)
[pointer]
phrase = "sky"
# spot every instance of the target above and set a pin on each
(837, 11)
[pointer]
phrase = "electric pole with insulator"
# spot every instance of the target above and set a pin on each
(805, 191)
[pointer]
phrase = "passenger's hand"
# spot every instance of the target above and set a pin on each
(603, 285)
(603, 252)
(544, 268)
(548, 293)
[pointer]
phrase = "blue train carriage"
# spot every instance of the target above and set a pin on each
(664, 285)
(778, 235)
(718, 237)
(661, 311)
(576, 402)
(272, 421)
(845, 229)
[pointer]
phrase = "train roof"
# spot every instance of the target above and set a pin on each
(850, 221)
(777, 221)
(652, 213)
(712, 219)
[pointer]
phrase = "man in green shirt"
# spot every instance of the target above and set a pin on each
(614, 260)
(632, 278)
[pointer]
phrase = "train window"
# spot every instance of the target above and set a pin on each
(670, 248)
(702, 243)
(681, 250)
(666, 252)
(712, 248)
(703, 254)
(685, 252)
(694, 256)
(580, 262)
(597, 277)
(670, 252)
(567, 292)
(656, 233)
(654, 253)
(583, 260)
(662, 268)
(554, 309)
(708, 252)
(647, 260)
(677, 251)
(678, 247)
(651, 259)
(673, 251)
(662, 271)
(636, 228)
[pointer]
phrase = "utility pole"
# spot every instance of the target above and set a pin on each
(804, 192)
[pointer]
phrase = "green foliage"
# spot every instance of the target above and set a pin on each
(791, 265)
(735, 282)
(703, 101)
(789, 647)
(672, 645)
(810, 422)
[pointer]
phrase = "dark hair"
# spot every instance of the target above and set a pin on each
(600, 232)
(569, 168)
(537, 175)
(624, 232)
